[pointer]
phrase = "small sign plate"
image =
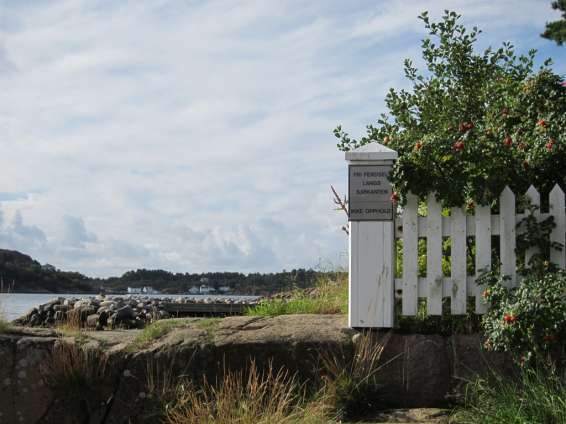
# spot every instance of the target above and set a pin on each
(369, 193)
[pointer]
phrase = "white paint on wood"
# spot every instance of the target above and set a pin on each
(458, 261)
(557, 210)
(371, 152)
(534, 197)
(371, 278)
(507, 241)
(434, 256)
(353, 260)
(483, 251)
(410, 256)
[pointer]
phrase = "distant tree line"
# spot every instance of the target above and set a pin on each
(168, 282)
(20, 273)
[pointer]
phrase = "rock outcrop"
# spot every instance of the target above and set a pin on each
(120, 377)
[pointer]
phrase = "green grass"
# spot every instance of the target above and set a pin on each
(331, 297)
(4, 324)
(156, 330)
(209, 325)
(538, 396)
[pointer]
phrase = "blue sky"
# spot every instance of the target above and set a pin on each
(197, 135)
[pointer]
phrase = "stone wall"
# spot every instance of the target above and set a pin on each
(421, 370)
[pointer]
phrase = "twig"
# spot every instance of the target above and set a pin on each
(343, 205)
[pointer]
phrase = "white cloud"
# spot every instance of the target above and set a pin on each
(197, 135)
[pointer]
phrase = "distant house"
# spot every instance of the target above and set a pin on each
(224, 289)
(194, 290)
(142, 290)
(203, 289)
(134, 290)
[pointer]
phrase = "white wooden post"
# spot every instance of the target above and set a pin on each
(372, 252)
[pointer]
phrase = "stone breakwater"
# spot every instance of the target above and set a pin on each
(127, 312)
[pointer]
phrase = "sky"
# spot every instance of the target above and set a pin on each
(196, 136)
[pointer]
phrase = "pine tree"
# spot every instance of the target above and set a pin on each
(557, 30)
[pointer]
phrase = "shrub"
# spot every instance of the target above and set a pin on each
(536, 397)
(529, 321)
(472, 123)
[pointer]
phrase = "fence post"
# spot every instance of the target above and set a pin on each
(372, 237)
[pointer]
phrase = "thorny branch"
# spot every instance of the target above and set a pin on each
(343, 205)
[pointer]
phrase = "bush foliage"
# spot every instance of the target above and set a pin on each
(472, 123)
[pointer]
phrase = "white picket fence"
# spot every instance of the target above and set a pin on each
(458, 226)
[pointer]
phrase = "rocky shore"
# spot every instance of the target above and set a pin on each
(105, 312)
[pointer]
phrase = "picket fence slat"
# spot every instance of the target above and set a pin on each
(434, 256)
(507, 241)
(481, 226)
(557, 210)
(534, 197)
(410, 256)
(483, 250)
(458, 261)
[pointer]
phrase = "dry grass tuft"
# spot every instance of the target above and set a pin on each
(72, 323)
(351, 384)
(77, 375)
(246, 398)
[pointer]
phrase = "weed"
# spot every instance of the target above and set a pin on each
(351, 383)
(76, 374)
(246, 398)
(538, 396)
(72, 321)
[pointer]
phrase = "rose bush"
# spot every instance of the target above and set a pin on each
(528, 321)
(472, 123)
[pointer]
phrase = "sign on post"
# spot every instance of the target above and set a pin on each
(372, 237)
(369, 193)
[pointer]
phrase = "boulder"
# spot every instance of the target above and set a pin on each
(92, 321)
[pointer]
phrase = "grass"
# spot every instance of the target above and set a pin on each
(330, 296)
(537, 396)
(76, 374)
(253, 397)
(351, 383)
(156, 330)
(4, 324)
(209, 325)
